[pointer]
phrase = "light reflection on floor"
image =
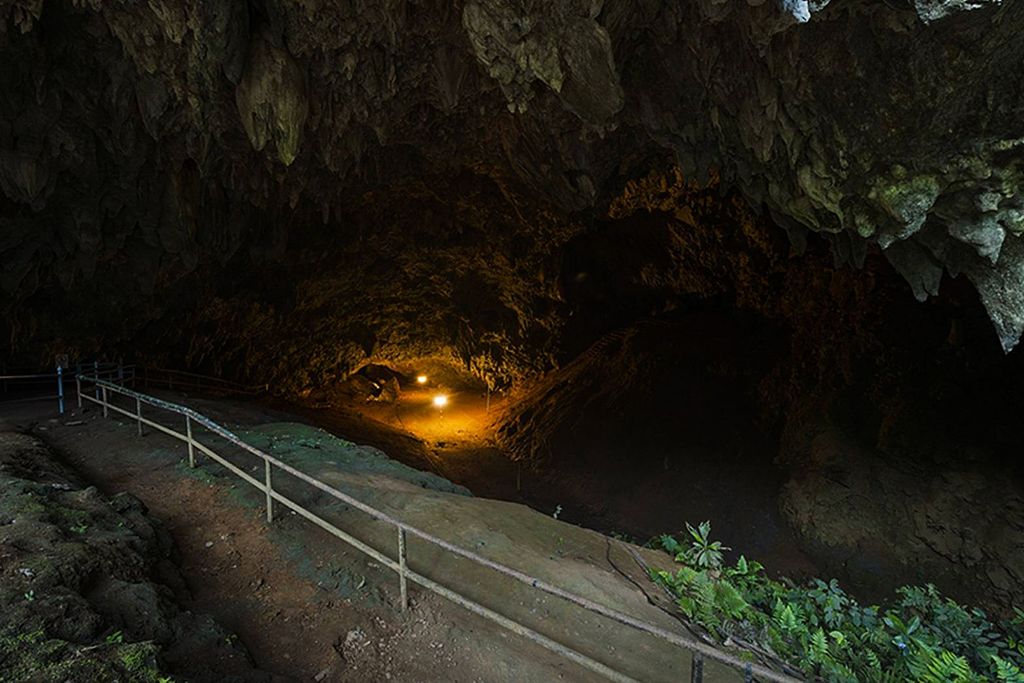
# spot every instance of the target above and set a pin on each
(464, 419)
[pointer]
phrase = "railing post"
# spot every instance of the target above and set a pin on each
(696, 669)
(104, 390)
(96, 378)
(402, 581)
(138, 414)
(120, 373)
(60, 389)
(78, 388)
(270, 495)
(191, 446)
(748, 673)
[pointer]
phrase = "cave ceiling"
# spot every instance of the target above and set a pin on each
(402, 173)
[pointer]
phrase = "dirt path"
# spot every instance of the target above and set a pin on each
(251, 578)
(310, 608)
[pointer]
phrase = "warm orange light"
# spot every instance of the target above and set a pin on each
(440, 401)
(421, 379)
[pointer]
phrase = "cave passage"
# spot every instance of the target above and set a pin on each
(636, 265)
(871, 445)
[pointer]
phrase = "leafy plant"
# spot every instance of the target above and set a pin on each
(703, 598)
(1006, 671)
(702, 552)
(819, 628)
(944, 667)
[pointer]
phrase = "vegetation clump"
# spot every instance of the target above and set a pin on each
(821, 630)
(36, 656)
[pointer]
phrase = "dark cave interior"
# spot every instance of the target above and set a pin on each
(693, 289)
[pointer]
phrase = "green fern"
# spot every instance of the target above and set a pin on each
(728, 600)
(785, 618)
(944, 667)
(818, 647)
(1007, 671)
(817, 627)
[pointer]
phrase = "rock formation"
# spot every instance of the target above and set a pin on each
(148, 148)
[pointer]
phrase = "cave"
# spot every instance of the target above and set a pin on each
(631, 265)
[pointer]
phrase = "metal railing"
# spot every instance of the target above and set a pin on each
(699, 650)
(179, 379)
(26, 386)
(34, 386)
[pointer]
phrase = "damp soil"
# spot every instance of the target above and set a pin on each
(89, 586)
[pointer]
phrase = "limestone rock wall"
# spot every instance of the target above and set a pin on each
(148, 147)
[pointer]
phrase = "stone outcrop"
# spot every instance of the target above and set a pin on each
(90, 591)
(146, 147)
(881, 520)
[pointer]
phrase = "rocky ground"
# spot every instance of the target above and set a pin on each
(89, 590)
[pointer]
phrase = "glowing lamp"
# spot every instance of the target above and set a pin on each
(440, 401)
(421, 379)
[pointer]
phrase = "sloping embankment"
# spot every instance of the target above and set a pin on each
(82, 596)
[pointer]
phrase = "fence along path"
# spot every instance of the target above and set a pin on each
(34, 386)
(105, 390)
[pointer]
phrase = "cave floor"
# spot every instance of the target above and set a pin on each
(307, 607)
(456, 444)
(624, 501)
